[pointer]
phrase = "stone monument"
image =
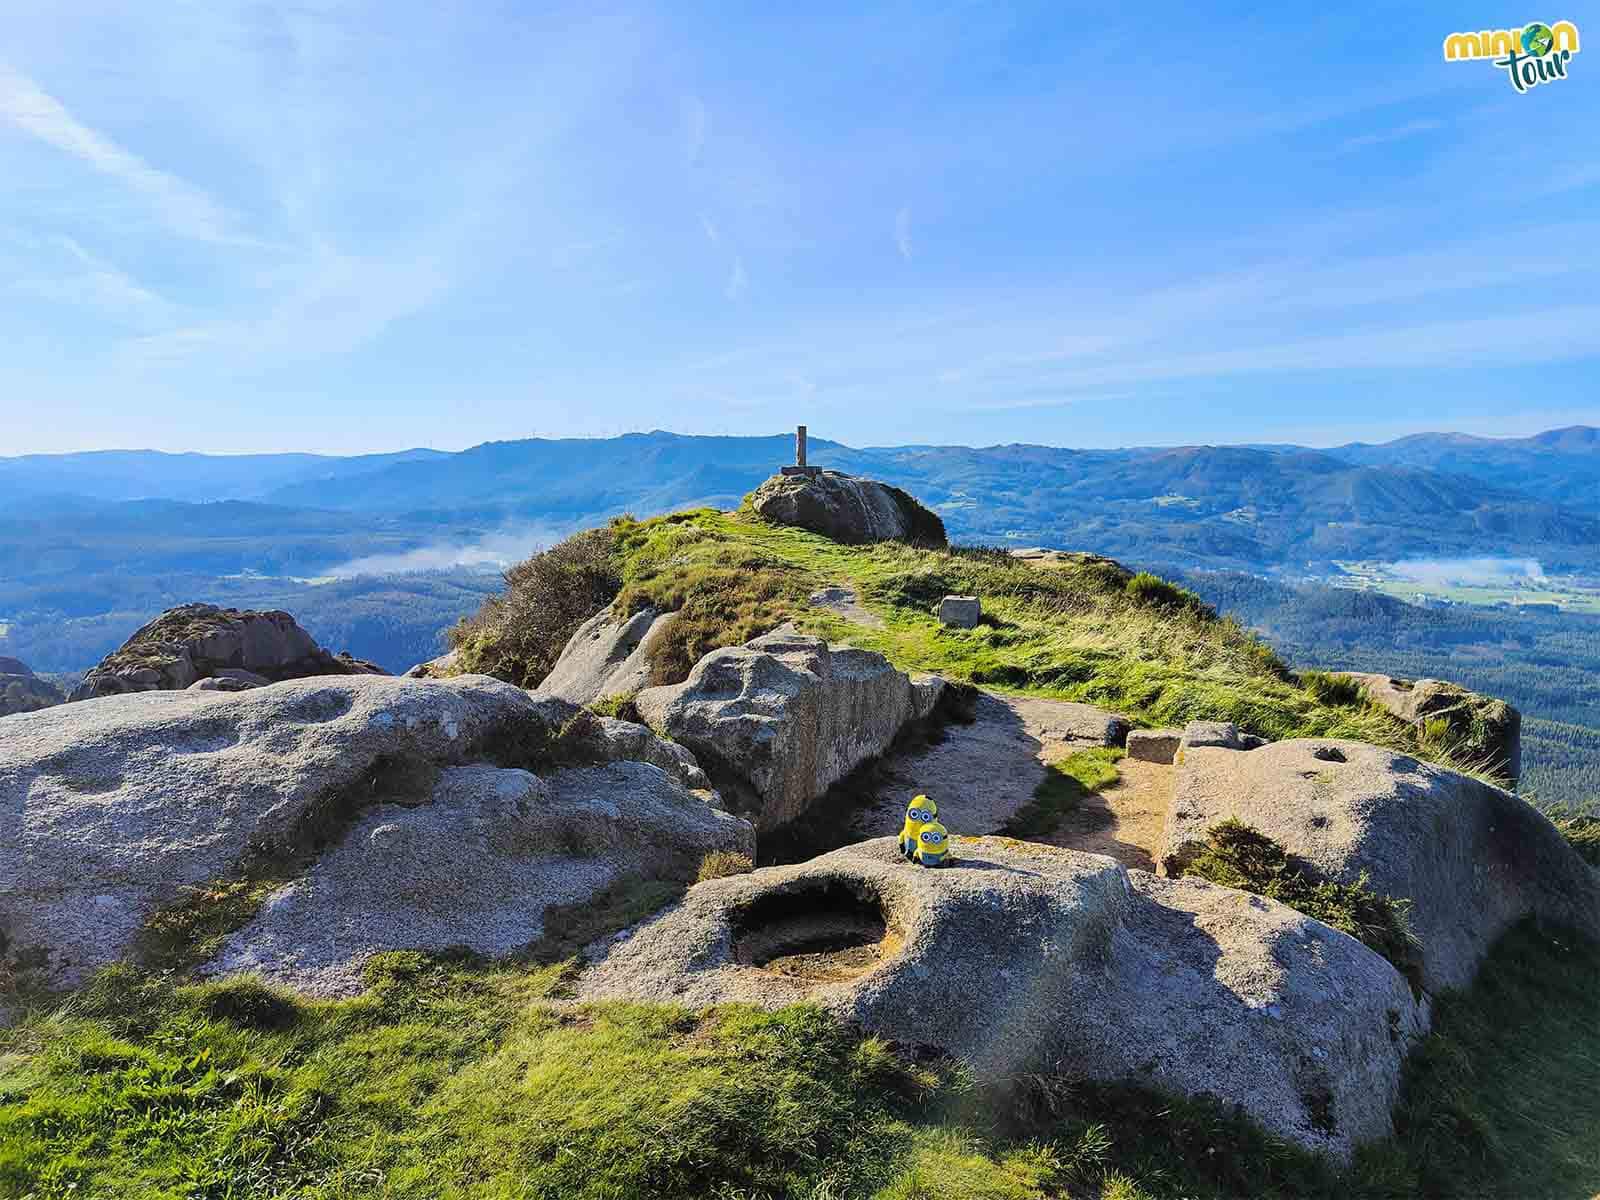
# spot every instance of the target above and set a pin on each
(800, 467)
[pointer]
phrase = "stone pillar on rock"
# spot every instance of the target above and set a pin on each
(800, 467)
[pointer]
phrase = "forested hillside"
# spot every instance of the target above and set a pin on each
(1222, 507)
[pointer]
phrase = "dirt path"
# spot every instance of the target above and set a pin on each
(845, 603)
(983, 773)
(1125, 820)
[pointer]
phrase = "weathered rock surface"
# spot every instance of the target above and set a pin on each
(606, 657)
(1471, 858)
(1484, 727)
(110, 808)
(442, 667)
(1200, 734)
(960, 612)
(200, 641)
(1024, 958)
(614, 740)
(229, 680)
(779, 720)
(1154, 745)
(478, 866)
(22, 691)
(847, 509)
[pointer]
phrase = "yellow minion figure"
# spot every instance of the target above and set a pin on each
(933, 845)
(919, 812)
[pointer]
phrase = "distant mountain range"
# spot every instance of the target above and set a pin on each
(1561, 466)
(1221, 506)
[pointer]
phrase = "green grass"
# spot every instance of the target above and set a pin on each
(724, 591)
(621, 707)
(453, 1078)
(1238, 856)
(1083, 630)
(1331, 687)
(1062, 790)
(1582, 834)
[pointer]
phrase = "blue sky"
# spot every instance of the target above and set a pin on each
(343, 226)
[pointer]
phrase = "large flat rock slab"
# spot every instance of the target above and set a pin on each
(113, 808)
(1471, 858)
(1021, 958)
(477, 866)
(983, 773)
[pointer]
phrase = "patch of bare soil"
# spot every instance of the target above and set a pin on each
(1125, 820)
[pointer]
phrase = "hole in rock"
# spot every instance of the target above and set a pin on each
(821, 930)
(1329, 754)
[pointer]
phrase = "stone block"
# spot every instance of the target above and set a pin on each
(960, 612)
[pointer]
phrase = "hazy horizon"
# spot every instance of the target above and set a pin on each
(1532, 431)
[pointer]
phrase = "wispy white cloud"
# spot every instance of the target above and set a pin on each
(185, 209)
(1542, 336)
(329, 304)
(61, 270)
(1409, 130)
(737, 281)
(902, 233)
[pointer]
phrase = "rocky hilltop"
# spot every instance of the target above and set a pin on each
(847, 509)
(215, 649)
(1259, 913)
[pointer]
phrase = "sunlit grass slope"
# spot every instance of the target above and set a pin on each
(1086, 631)
(449, 1078)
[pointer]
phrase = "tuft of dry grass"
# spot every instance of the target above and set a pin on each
(721, 863)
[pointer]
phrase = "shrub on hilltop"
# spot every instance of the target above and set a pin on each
(518, 635)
